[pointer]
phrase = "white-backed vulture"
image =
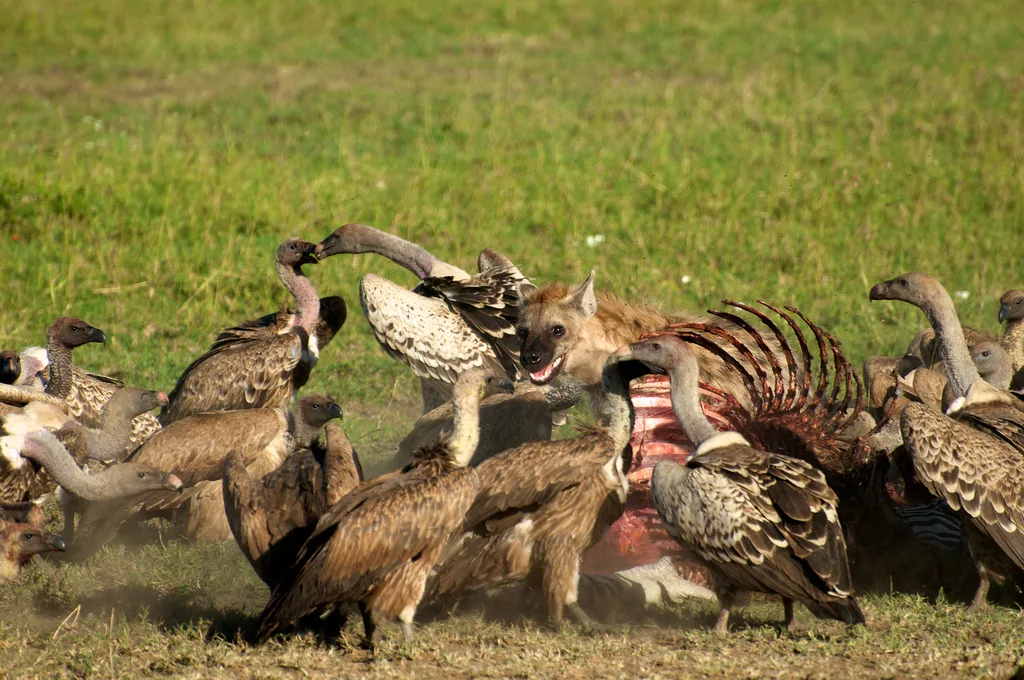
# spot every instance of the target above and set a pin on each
(971, 456)
(253, 368)
(272, 517)
(194, 449)
(86, 393)
(377, 545)
(332, 315)
(18, 543)
(540, 506)
(760, 522)
(449, 323)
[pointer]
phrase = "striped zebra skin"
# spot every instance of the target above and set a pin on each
(934, 524)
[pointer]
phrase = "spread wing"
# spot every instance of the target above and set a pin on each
(333, 313)
(488, 303)
(976, 469)
(346, 557)
(423, 332)
(243, 372)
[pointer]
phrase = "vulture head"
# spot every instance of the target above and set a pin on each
(71, 332)
(1011, 306)
(22, 541)
(916, 288)
(295, 252)
(132, 401)
(128, 479)
(316, 410)
(659, 354)
(10, 367)
(346, 239)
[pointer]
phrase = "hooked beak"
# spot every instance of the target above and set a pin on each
(323, 249)
(623, 353)
(57, 543)
(879, 291)
(309, 257)
(1004, 312)
(162, 398)
(172, 482)
(96, 335)
(335, 411)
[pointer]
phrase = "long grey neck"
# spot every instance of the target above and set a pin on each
(409, 255)
(616, 408)
(953, 351)
(465, 434)
(307, 302)
(686, 402)
(1013, 342)
(58, 462)
(60, 368)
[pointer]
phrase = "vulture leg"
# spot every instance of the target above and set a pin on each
(559, 576)
(407, 631)
(980, 601)
(787, 606)
(722, 622)
(588, 624)
(369, 626)
(726, 599)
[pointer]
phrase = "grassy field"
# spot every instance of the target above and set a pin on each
(152, 155)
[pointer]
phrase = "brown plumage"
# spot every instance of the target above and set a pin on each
(540, 506)
(332, 316)
(18, 543)
(971, 457)
(377, 545)
(759, 521)
(86, 393)
(194, 449)
(450, 322)
(249, 367)
(272, 517)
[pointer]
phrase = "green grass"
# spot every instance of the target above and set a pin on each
(153, 154)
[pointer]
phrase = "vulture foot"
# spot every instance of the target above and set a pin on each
(722, 622)
(588, 624)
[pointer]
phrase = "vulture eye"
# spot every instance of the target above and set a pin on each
(142, 475)
(984, 354)
(903, 283)
(558, 331)
(29, 537)
(75, 329)
(1017, 302)
(656, 346)
(316, 407)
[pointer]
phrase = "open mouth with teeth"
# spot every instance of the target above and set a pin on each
(546, 374)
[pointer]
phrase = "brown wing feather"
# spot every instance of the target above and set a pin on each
(341, 468)
(530, 475)
(970, 461)
(346, 557)
(194, 449)
(246, 373)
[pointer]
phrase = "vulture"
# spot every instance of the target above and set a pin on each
(450, 322)
(377, 545)
(19, 542)
(10, 367)
(194, 449)
(971, 455)
(252, 366)
(29, 512)
(333, 313)
(272, 517)
(760, 522)
(20, 482)
(540, 506)
(1011, 312)
(86, 393)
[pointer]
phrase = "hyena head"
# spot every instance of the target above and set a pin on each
(551, 324)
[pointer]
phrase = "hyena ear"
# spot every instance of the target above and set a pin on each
(526, 291)
(583, 297)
